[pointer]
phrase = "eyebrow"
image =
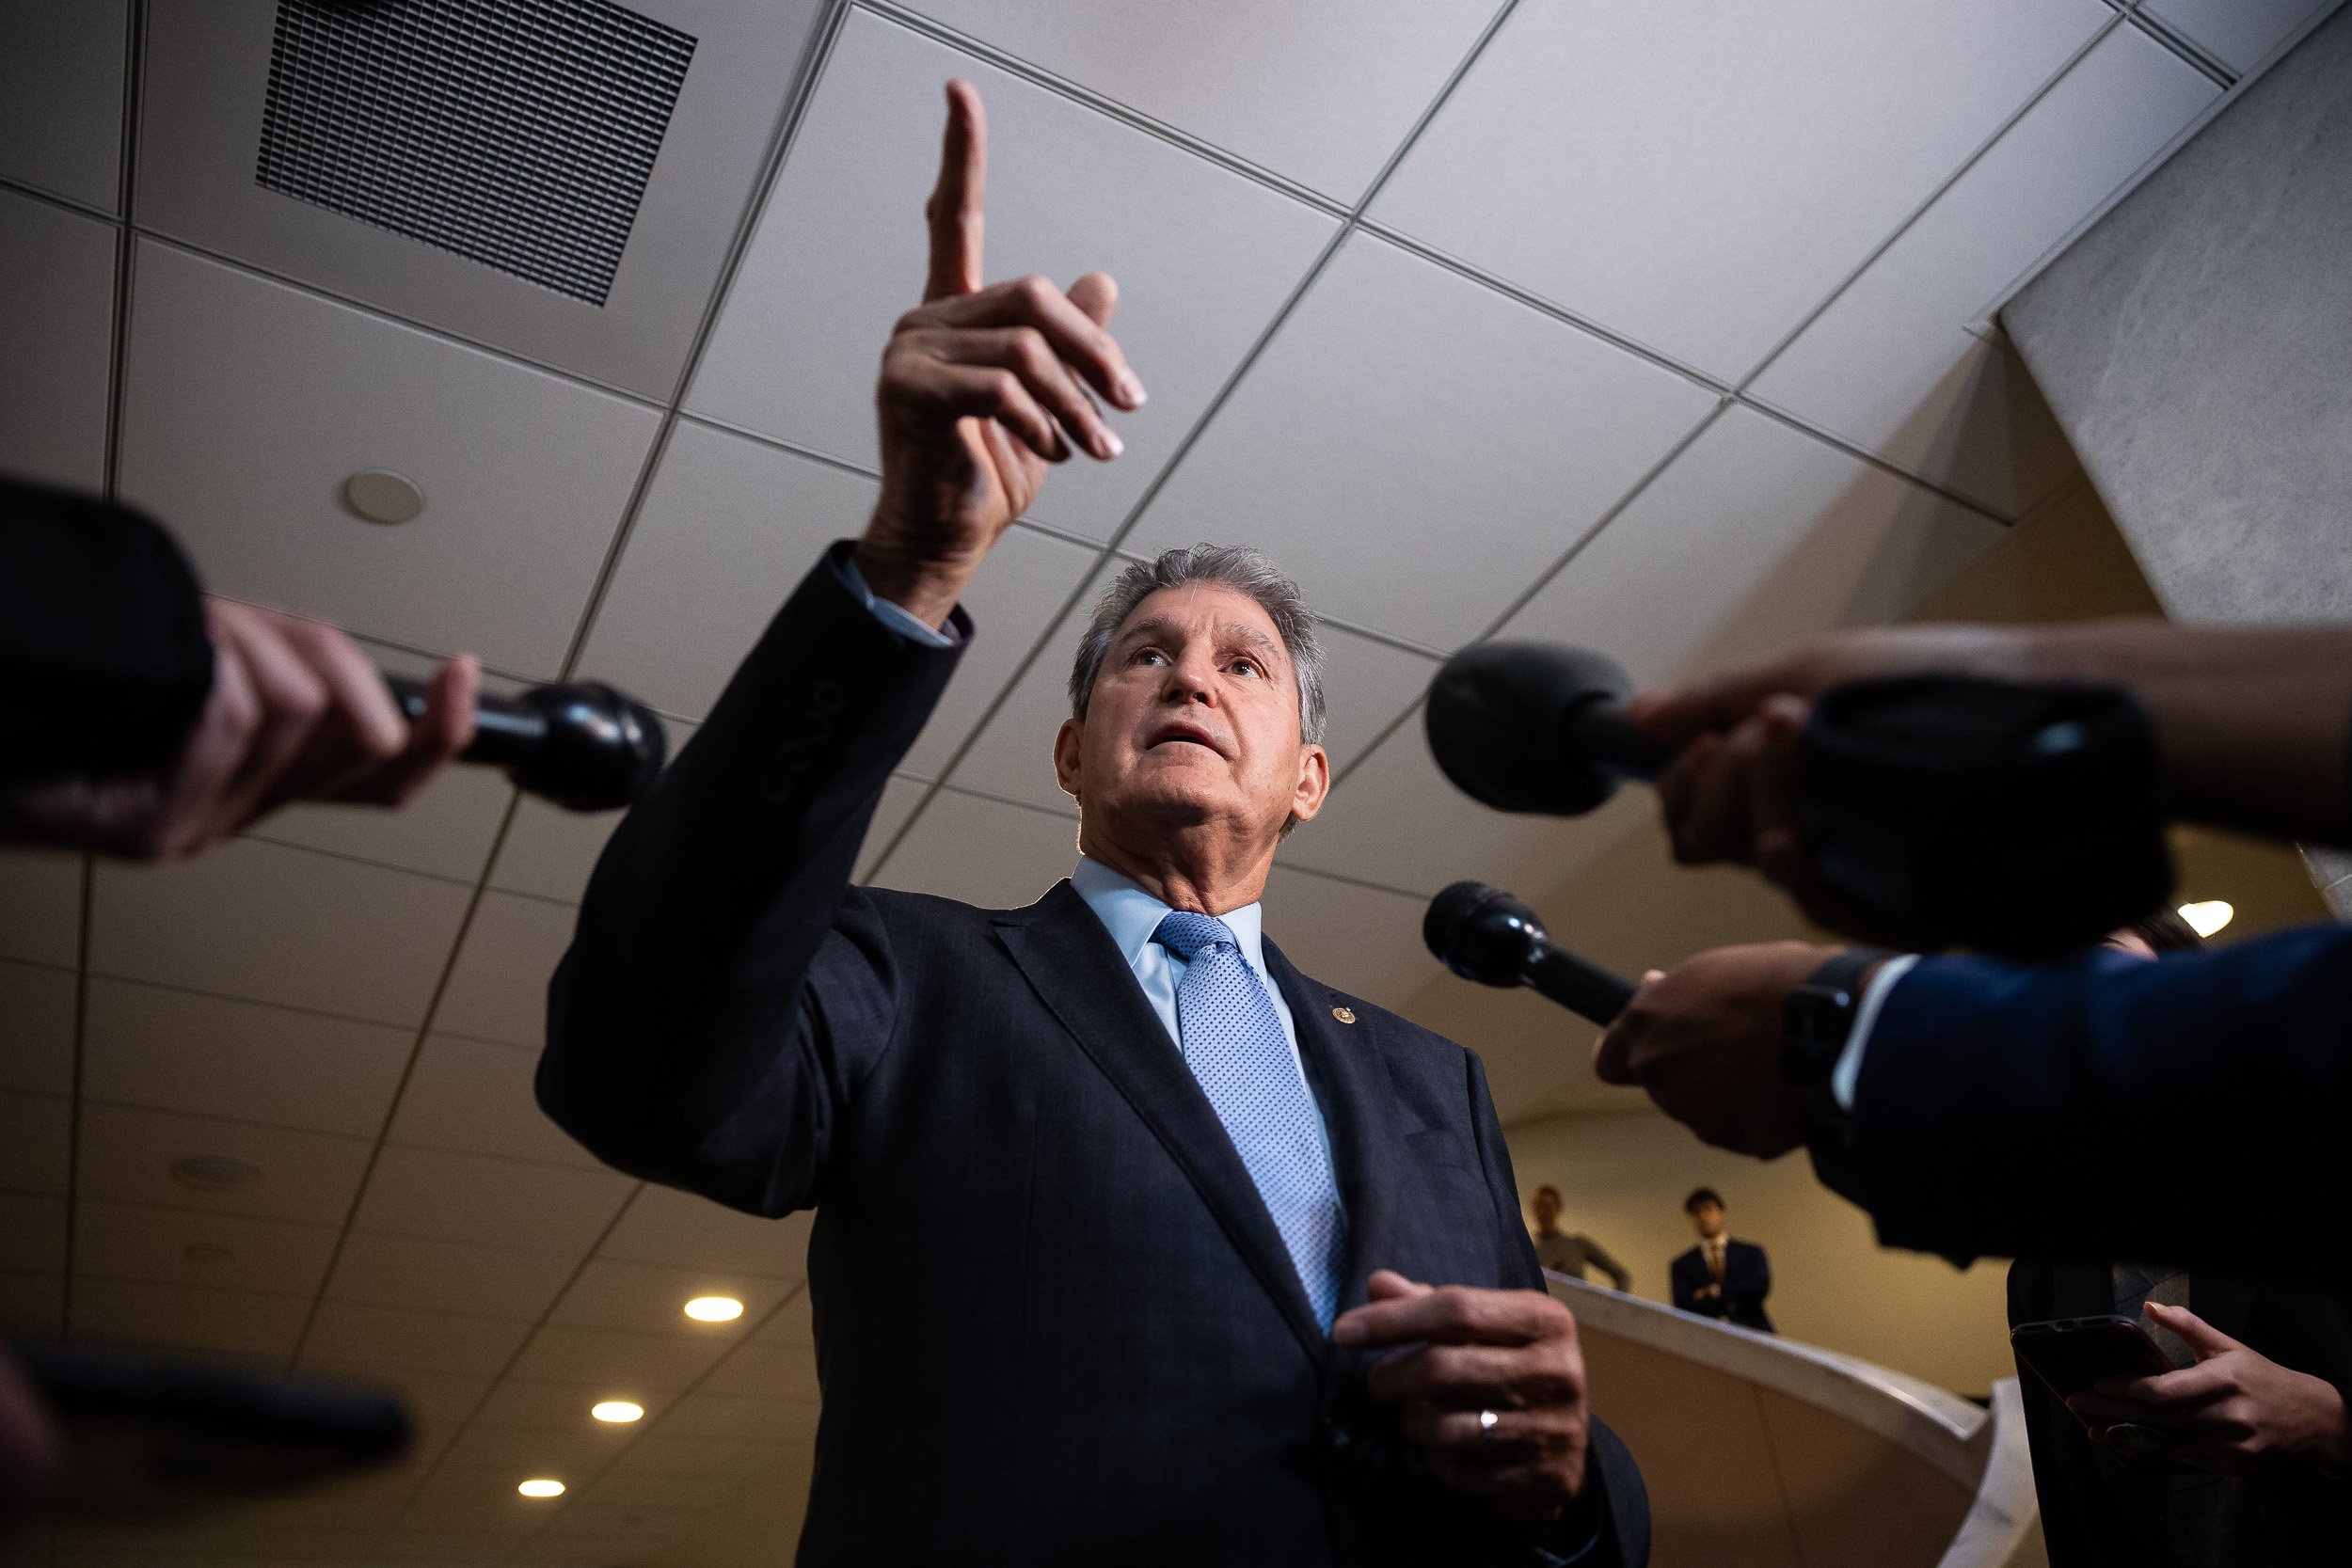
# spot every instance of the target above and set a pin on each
(1160, 625)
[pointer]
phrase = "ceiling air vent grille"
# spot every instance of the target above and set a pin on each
(519, 134)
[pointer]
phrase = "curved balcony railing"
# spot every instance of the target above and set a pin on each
(1761, 1452)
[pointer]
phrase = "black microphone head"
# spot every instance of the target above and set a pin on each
(601, 750)
(1483, 934)
(1497, 719)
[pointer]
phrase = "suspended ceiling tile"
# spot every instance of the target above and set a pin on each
(201, 132)
(661, 1362)
(187, 1316)
(578, 1451)
(661, 1454)
(187, 1247)
(1358, 940)
(40, 907)
(1320, 91)
(475, 1098)
(768, 1371)
(1334, 455)
(899, 796)
(631, 1489)
(794, 1323)
(209, 1056)
(249, 404)
(1893, 364)
(32, 1232)
(1203, 258)
(1757, 536)
(733, 1418)
(1395, 821)
(377, 1270)
(37, 1022)
(665, 1225)
(1699, 177)
(647, 1299)
(998, 857)
(36, 1141)
(445, 830)
(271, 924)
(126, 1155)
(490, 1202)
(728, 531)
(498, 989)
(62, 97)
(407, 1340)
(56, 337)
(2240, 33)
(32, 1305)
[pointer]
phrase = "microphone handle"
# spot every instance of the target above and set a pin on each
(1596, 733)
(506, 732)
(1582, 987)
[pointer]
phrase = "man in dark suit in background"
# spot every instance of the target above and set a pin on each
(1242, 1278)
(1720, 1278)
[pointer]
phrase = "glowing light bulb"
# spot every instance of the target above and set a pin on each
(541, 1486)
(2208, 916)
(714, 1309)
(618, 1410)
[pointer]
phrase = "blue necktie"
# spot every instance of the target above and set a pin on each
(1233, 1042)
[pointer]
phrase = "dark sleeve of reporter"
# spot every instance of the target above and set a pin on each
(2192, 1109)
(105, 662)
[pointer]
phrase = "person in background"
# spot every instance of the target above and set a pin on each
(2241, 1456)
(1563, 1253)
(1720, 1278)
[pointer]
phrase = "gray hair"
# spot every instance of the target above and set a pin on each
(1235, 567)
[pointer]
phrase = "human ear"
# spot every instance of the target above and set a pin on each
(1069, 746)
(1315, 782)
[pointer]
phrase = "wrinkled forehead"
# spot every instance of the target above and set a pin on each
(1204, 609)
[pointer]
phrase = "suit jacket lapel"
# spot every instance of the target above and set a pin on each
(1072, 964)
(1360, 1114)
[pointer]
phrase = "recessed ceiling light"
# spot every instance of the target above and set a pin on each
(541, 1486)
(381, 496)
(2208, 916)
(214, 1173)
(714, 1309)
(618, 1410)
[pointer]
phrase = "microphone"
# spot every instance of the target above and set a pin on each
(582, 746)
(1483, 934)
(1536, 727)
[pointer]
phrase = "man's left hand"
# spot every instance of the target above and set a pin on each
(1705, 1041)
(2235, 1411)
(1463, 1351)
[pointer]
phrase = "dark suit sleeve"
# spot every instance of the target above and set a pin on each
(104, 661)
(727, 990)
(1683, 1285)
(1610, 1526)
(2107, 1106)
(1755, 1280)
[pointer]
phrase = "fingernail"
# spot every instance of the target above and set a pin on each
(1112, 442)
(1132, 389)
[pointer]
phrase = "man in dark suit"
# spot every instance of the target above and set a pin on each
(1720, 1278)
(1241, 1278)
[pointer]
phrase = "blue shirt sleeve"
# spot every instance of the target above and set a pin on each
(896, 616)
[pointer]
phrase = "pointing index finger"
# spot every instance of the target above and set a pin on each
(955, 211)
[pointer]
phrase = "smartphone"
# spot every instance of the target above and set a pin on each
(2072, 1353)
(149, 1437)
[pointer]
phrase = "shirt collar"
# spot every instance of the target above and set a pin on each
(1131, 914)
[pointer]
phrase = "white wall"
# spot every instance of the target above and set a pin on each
(1622, 1179)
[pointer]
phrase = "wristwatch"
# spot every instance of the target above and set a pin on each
(1818, 1017)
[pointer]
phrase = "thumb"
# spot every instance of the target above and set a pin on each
(2200, 1336)
(1389, 1285)
(1097, 294)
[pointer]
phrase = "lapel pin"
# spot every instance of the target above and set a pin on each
(1346, 1015)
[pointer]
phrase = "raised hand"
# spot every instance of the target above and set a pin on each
(981, 388)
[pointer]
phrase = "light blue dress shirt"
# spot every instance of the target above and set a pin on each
(1130, 916)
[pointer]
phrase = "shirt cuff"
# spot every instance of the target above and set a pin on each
(1849, 1069)
(896, 617)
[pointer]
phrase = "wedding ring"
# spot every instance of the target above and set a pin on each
(1486, 1419)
